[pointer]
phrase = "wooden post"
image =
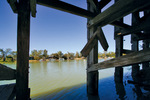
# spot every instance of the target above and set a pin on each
(92, 77)
(134, 46)
(146, 43)
(118, 75)
(23, 35)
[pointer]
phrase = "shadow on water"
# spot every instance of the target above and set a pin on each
(108, 90)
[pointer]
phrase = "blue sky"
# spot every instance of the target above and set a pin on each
(52, 29)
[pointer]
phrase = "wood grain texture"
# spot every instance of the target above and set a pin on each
(133, 58)
(7, 73)
(23, 37)
(117, 11)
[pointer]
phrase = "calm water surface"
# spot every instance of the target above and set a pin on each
(65, 80)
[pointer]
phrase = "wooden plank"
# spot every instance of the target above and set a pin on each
(133, 58)
(6, 92)
(14, 5)
(120, 24)
(7, 73)
(135, 46)
(60, 5)
(103, 3)
(127, 51)
(117, 11)
(93, 4)
(136, 28)
(92, 77)
(33, 7)
(89, 46)
(23, 36)
(102, 39)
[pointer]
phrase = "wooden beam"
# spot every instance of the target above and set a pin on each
(98, 35)
(136, 28)
(23, 37)
(102, 39)
(103, 3)
(117, 11)
(7, 73)
(127, 51)
(92, 77)
(14, 5)
(60, 5)
(130, 59)
(33, 7)
(89, 46)
(120, 24)
(7, 92)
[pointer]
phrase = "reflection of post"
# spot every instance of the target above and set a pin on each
(135, 67)
(146, 42)
(91, 97)
(120, 90)
(92, 77)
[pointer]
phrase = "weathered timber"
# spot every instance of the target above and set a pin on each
(130, 59)
(117, 11)
(141, 36)
(102, 39)
(136, 28)
(33, 7)
(89, 46)
(120, 24)
(7, 73)
(135, 46)
(146, 42)
(23, 36)
(60, 5)
(13, 5)
(98, 35)
(127, 51)
(7, 92)
(93, 4)
(92, 77)
(103, 3)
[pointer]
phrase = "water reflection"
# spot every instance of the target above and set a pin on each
(120, 90)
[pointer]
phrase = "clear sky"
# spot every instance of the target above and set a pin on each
(52, 29)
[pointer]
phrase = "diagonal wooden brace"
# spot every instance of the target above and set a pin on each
(14, 5)
(98, 35)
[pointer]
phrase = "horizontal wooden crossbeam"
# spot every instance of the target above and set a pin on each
(136, 28)
(7, 73)
(60, 5)
(117, 11)
(133, 58)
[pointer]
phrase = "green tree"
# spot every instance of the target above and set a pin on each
(77, 55)
(45, 53)
(60, 54)
(4, 53)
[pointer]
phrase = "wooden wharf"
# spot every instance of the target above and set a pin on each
(96, 19)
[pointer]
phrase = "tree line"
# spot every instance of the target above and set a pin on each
(9, 55)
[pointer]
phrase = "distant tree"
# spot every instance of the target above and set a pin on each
(60, 54)
(45, 53)
(77, 55)
(14, 55)
(36, 54)
(4, 53)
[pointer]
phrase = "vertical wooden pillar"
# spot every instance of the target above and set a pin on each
(92, 77)
(118, 75)
(146, 42)
(23, 35)
(134, 46)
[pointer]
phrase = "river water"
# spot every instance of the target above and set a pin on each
(66, 80)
